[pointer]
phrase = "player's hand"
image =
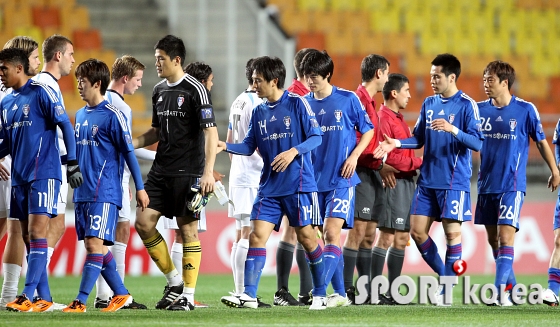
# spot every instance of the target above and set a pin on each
(441, 124)
(387, 173)
(73, 173)
(553, 182)
(217, 176)
(207, 183)
(349, 166)
(221, 147)
(282, 160)
(384, 147)
(142, 199)
(4, 172)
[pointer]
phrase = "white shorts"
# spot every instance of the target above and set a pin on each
(172, 223)
(63, 194)
(243, 199)
(124, 213)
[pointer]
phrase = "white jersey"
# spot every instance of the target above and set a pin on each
(117, 100)
(245, 171)
(50, 80)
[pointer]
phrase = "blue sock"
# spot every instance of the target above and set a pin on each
(430, 254)
(331, 257)
(338, 278)
(317, 267)
(111, 276)
(90, 273)
(504, 264)
(256, 258)
(36, 265)
(453, 254)
(554, 280)
(511, 282)
(43, 289)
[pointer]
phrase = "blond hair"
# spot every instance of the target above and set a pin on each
(126, 66)
(24, 43)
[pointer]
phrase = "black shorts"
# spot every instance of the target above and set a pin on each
(397, 211)
(170, 195)
(370, 196)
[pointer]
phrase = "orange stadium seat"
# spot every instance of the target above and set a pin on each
(137, 103)
(419, 86)
(87, 39)
(325, 21)
(369, 42)
(533, 87)
(294, 22)
(400, 43)
(555, 89)
(472, 86)
(283, 5)
(345, 5)
(312, 4)
(66, 83)
(60, 3)
(74, 18)
(355, 22)
(554, 4)
(315, 40)
(530, 4)
(46, 17)
(340, 43)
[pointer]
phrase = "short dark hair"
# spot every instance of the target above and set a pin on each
(298, 58)
(15, 56)
(94, 70)
(449, 64)
(370, 64)
(270, 68)
(249, 70)
(198, 70)
(54, 44)
(317, 62)
(394, 83)
(503, 70)
(173, 47)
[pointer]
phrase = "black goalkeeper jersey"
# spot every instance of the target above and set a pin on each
(181, 111)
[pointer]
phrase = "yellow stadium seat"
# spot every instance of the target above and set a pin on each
(140, 124)
(312, 4)
(474, 65)
(294, 22)
(354, 21)
(283, 5)
(415, 20)
(497, 44)
(137, 103)
(477, 21)
(545, 65)
(417, 64)
(432, 44)
(369, 42)
(551, 43)
(16, 16)
(325, 21)
(530, 4)
(60, 3)
(386, 21)
(528, 43)
(462, 43)
(541, 20)
(399, 43)
(492, 5)
(74, 18)
(340, 43)
(521, 64)
(513, 21)
(532, 87)
(345, 5)
(369, 5)
(33, 32)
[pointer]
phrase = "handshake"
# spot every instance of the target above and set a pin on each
(199, 201)
(73, 173)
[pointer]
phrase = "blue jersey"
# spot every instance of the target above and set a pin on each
(30, 116)
(447, 162)
(277, 127)
(339, 115)
(505, 150)
(101, 137)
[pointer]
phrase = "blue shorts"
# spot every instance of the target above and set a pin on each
(556, 223)
(96, 219)
(438, 204)
(499, 208)
(338, 203)
(36, 198)
(300, 208)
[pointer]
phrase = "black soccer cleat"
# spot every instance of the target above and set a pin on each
(181, 304)
(283, 298)
(170, 294)
(101, 304)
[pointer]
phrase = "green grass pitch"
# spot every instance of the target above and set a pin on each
(210, 288)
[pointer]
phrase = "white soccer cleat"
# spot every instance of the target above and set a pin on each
(319, 303)
(240, 301)
(58, 306)
(440, 297)
(549, 298)
(336, 300)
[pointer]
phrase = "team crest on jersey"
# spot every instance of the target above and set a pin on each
(180, 100)
(512, 124)
(94, 130)
(338, 115)
(451, 118)
(287, 121)
(206, 113)
(59, 109)
(25, 109)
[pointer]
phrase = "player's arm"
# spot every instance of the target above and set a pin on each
(150, 137)
(471, 141)
(246, 148)
(145, 154)
(210, 146)
(229, 139)
(141, 195)
(546, 154)
(74, 175)
(351, 162)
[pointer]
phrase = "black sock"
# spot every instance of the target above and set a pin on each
(305, 279)
(395, 260)
(350, 257)
(284, 259)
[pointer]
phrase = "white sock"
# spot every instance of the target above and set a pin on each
(240, 257)
(11, 279)
(232, 260)
(102, 288)
(119, 253)
(188, 292)
(49, 255)
(174, 278)
(177, 255)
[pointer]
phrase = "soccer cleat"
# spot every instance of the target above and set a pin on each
(351, 294)
(75, 306)
(101, 304)
(385, 299)
(261, 304)
(181, 304)
(240, 301)
(58, 306)
(305, 299)
(200, 304)
(319, 303)
(118, 302)
(135, 306)
(170, 294)
(283, 298)
(41, 305)
(549, 298)
(21, 304)
(440, 297)
(337, 300)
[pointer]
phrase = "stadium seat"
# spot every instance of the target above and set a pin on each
(555, 89)
(472, 86)
(474, 65)
(67, 83)
(400, 43)
(87, 39)
(415, 20)
(527, 43)
(545, 65)
(355, 22)
(294, 22)
(137, 103)
(325, 21)
(46, 17)
(315, 40)
(306, 5)
(553, 4)
(340, 43)
(513, 21)
(283, 5)
(345, 5)
(497, 44)
(417, 64)
(386, 21)
(16, 16)
(74, 18)
(467, 46)
(369, 42)
(381, 5)
(419, 87)
(60, 3)
(33, 32)
(529, 4)
(533, 87)
(430, 43)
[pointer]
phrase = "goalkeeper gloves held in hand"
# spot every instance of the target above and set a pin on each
(73, 173)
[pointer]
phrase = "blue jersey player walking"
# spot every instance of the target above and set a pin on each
(30, 115)
(103, 140)
(339, 113)
(449, 129)
(284, 130)
(550, 295)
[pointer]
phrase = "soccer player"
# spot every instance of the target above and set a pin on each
(244, 177)
(284, 130)
(103, 141)
(550, 295)
(449, 129)
(31, 113)
(288, 240)
(370, 197)
(507, 123)
(394, 221)
(183, 122)
(126, 78)
(15, 246)
(340, 114)
(202, 72)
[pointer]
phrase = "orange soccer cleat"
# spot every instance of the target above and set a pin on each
(41, 305)
(75, 306)
(21, 304)
(118, 302)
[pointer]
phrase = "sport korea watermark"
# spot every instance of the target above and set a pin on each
(426, 290)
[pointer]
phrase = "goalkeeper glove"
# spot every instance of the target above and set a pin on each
(73, 173)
